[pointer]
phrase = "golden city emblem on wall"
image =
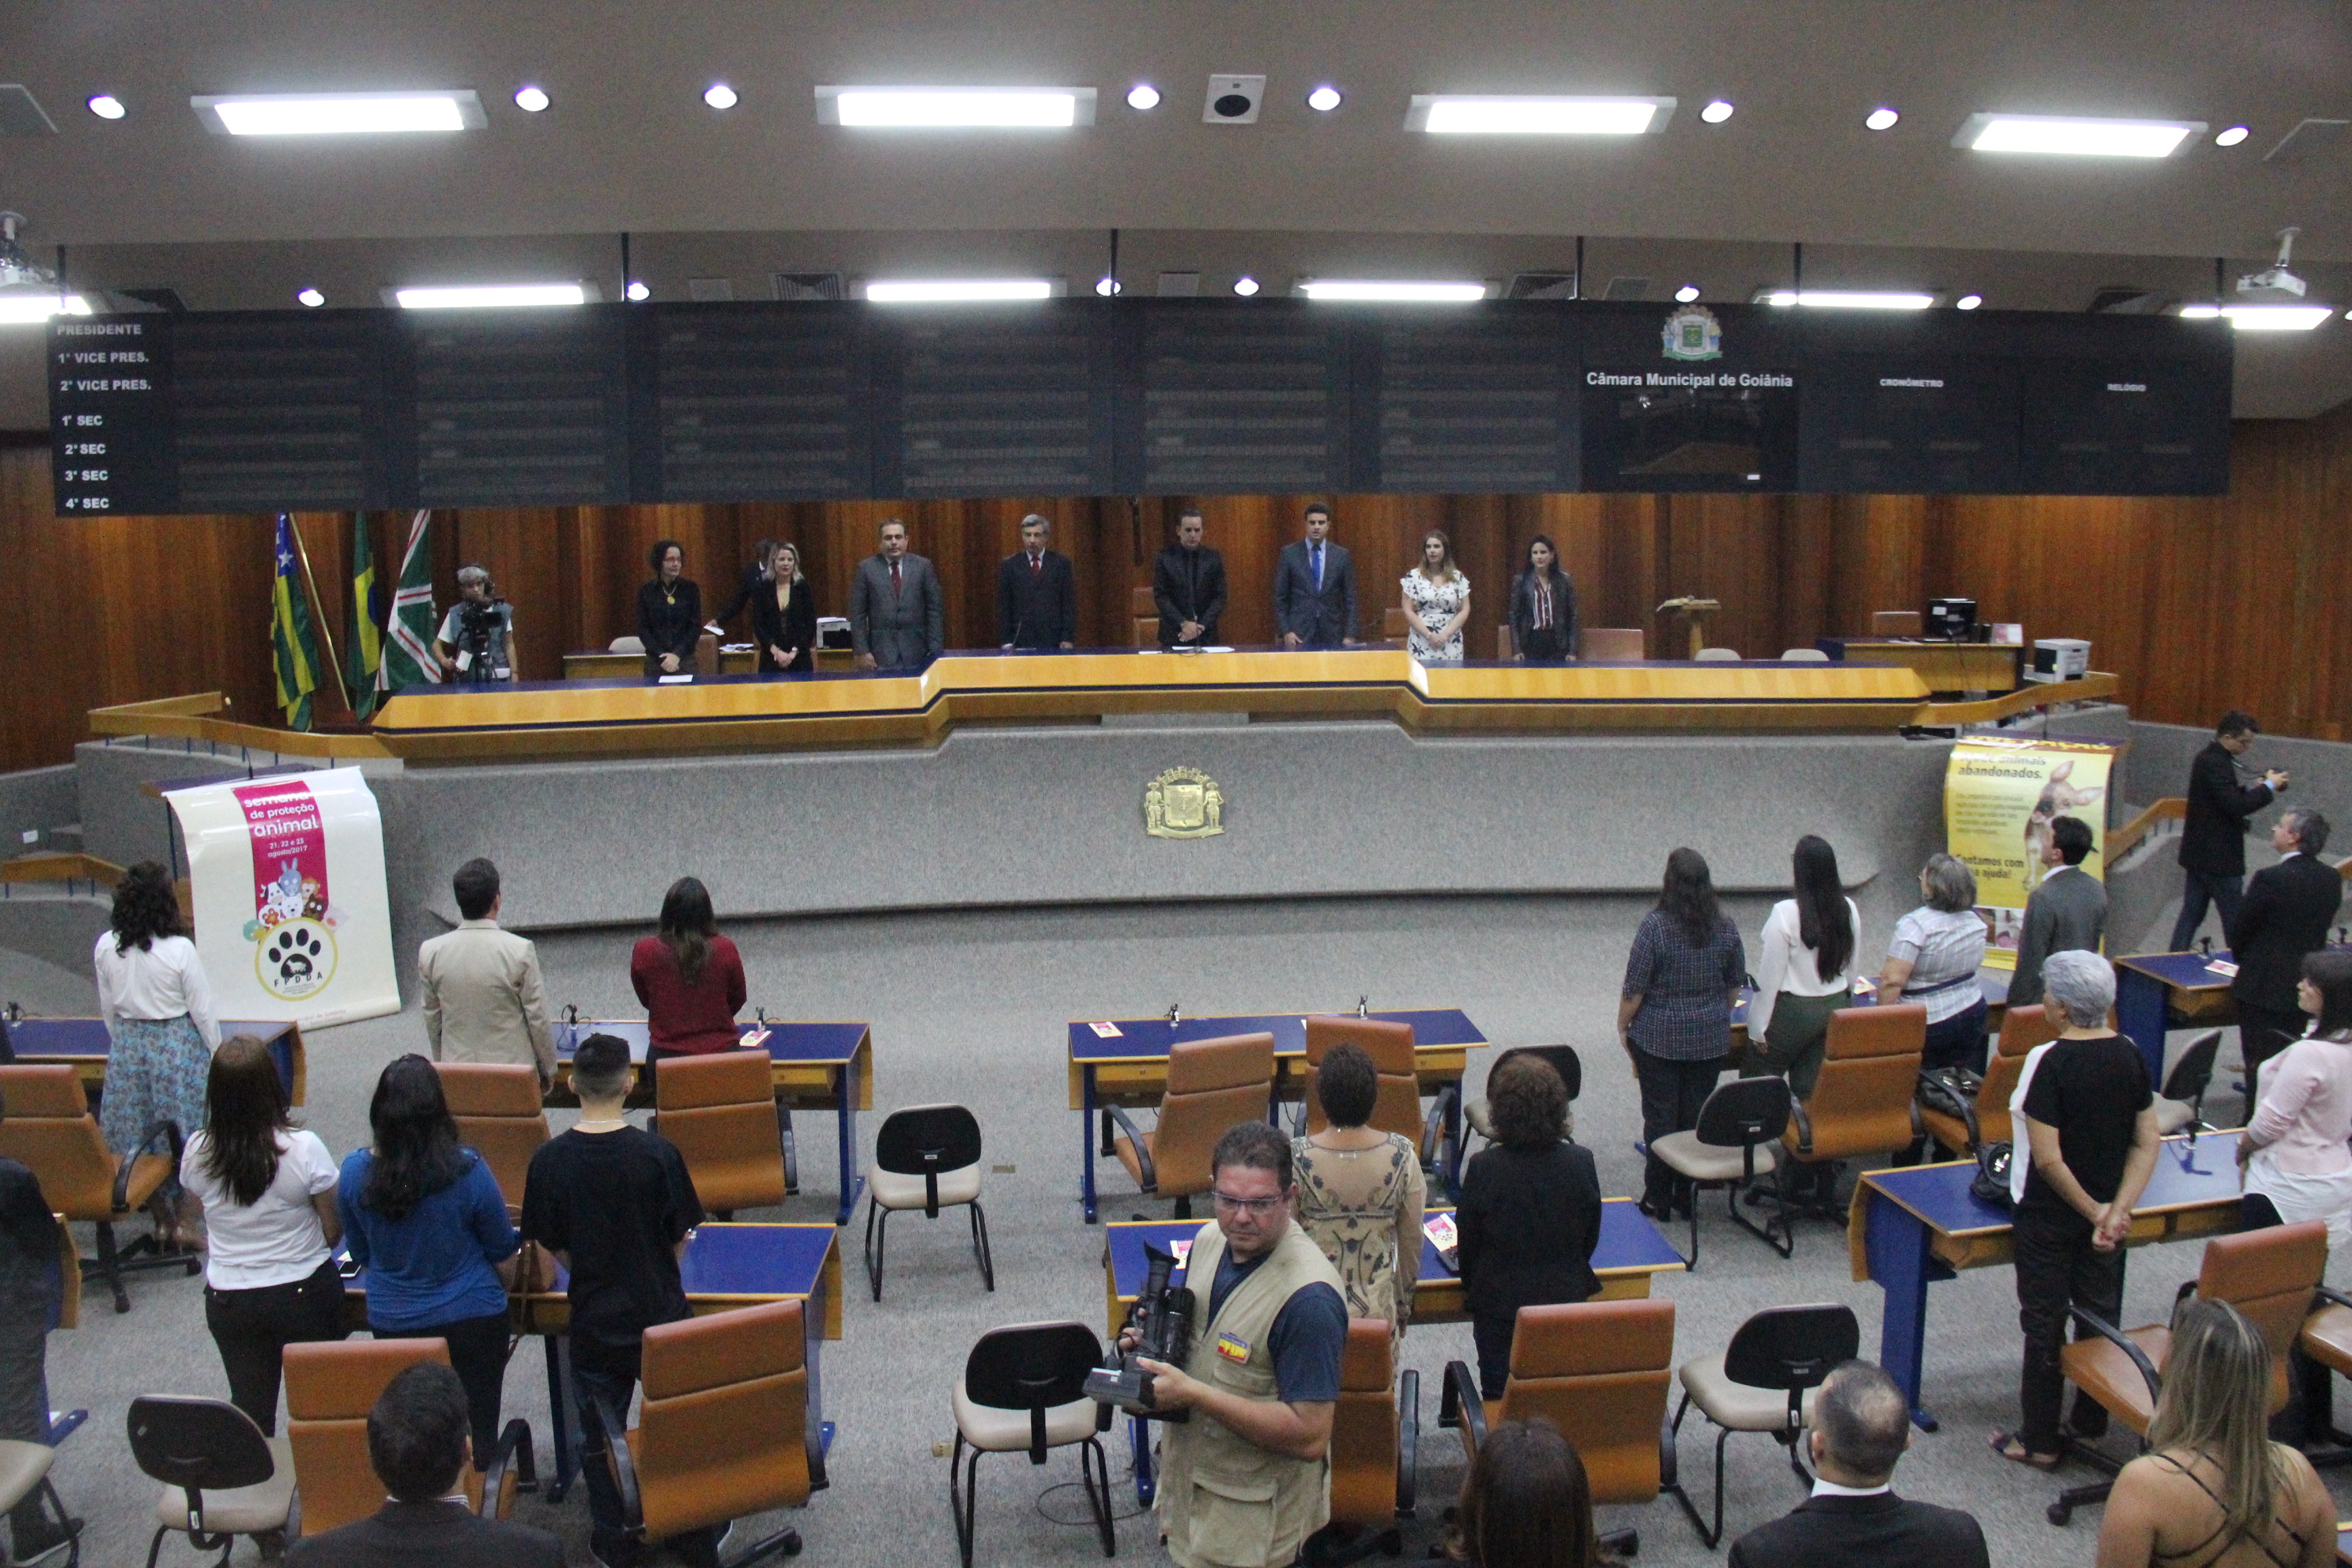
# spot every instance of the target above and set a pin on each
(1183, 802)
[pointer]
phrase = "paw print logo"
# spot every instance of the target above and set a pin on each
(298, 959)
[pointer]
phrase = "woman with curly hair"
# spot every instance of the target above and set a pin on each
(1530, 1212)
(158, 1008)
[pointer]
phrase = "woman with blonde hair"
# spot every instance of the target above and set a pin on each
(2213, 1490)
(1436, 603)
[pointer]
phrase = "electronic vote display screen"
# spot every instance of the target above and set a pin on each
(228, 412)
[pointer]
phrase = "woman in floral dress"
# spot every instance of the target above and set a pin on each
(1360, 1193)
(1436, 603)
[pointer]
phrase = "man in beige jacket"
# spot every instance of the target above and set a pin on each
(483, 998)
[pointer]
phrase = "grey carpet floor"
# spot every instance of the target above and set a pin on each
(973, 1007)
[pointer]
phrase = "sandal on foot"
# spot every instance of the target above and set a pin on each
(2010, 1446)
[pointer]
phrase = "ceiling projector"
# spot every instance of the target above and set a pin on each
(2275, 278)
(16, 269)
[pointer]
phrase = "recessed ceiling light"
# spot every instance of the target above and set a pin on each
(1968, 302)
(1106, 286)
(2232, 137)
(2075, 135)
(1246, 286)
(311, 296)
(719, 95)
(1847, 299)
(986, 108)
(1686, 293)
(1881, 119)
(1323, 100)
(952, 292)
(1143, 95)
(106, 106)
(474, 296)
(2263, 318)
(1408, 293)
(339, 113)
(1451, 115)
(637, 291)
(530, 100)
(1715, 113)
(18, 310)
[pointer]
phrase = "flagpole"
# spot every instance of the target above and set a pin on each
(318, 613)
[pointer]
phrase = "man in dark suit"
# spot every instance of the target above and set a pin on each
(2284, 916)
(1188, 583)
(896, 614)
(1862, 1424)
(2067, 913)
(1315, 588)
(2213, 839)
(416, 1441)
(1037, 593)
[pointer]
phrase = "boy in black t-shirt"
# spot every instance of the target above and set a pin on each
(616, 1205)
(2089, 1120)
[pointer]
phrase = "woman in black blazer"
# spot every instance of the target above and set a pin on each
(1543, 592)
(783, 615)
(670, 612)
(1530, 1212)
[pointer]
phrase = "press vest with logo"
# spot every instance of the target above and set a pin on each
(1223, 1500)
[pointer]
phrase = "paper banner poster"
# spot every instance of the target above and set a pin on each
(293, 917)
(1999, 798)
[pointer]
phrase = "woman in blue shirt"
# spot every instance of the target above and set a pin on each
(423, 1216)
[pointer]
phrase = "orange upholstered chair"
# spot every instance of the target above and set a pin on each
(1861, 1102)
(1375, 1431)
(721, 1111)
(1596, 1370)
(50, 1129)
(1612, 645)
(1213, 1085)
(2021, 1029)
(723, 1430)
(1390, 1046)
(330, 1386)
(1145, 609)
(500, 1116)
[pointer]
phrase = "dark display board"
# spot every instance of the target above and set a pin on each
(838, 400)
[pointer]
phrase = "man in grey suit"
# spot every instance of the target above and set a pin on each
(1315, 588)
(896, 612)
(2068, 912)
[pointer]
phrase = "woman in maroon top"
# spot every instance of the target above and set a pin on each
(689, 976)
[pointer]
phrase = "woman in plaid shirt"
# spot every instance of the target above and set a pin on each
(1674, 1018)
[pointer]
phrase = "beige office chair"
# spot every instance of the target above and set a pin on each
(1804, 656)
(1717, 655)
(635, 644)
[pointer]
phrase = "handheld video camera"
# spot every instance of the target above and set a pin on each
(1162, 1320)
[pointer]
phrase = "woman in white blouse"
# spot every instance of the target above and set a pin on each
(1804, 970)
(1436, 603)
(158, 1009)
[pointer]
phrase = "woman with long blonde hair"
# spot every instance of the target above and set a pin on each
(2213, 1490)
(1436, 603)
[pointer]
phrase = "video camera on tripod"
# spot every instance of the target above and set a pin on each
(1162, 1321)
(483, 657)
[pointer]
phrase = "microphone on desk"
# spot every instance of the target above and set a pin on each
(1175, 1014)
(571, 1013)
(1363, 1010)
(2205, 946)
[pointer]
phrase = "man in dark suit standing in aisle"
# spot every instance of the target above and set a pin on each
(2067, 913)
(1861, 1426)
(896, 614)
(2213, 841)
(1037, 593)
(2284, 916)
(1188, 583)
(1315, 588)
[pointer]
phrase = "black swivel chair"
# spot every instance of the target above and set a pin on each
(199, 1445)
(1760, 1384)
(1564, 1061)
(2182, 1102)
(1023, 1390)
(1738, 1139)
(926, 1157)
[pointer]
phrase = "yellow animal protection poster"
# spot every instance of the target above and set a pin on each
(1999, 798)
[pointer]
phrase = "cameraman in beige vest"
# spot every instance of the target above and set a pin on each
(1244, 1482)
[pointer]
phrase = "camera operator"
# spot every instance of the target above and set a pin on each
(1244, 1481)
(476, 642)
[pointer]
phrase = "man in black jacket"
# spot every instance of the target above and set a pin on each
(1188, 583)
(1854, 1519)
(1037, 593)
(2284, 915)
(2213, 841)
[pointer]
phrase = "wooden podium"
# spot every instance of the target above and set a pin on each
(1693, 613)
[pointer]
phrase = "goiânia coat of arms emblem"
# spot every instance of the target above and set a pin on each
(1183, 802)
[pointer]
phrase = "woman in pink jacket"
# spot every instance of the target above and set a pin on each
(2293, 1152)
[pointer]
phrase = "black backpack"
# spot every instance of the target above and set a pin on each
(1951, 1090)
(1991, 1182)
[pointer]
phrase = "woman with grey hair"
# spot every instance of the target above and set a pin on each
(1933, 958)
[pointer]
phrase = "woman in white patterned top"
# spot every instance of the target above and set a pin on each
(1436, 603)
(1933, 959)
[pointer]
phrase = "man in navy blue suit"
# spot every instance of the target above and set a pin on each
(1315, 588)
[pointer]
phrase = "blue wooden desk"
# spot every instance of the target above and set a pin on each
(1130, 1068)
(1630, 1249)
(1914, 1226)
(84, 1044)
(814, 1067)
(2159, 991)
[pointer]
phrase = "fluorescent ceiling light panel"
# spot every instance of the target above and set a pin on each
(2072, 136)
(2264, 317)
(1408, 293)
(476, 296)
(1847, 299)
(20, 310)
(938, 108)
(339, 113)
(955, 291)
(1453, 114)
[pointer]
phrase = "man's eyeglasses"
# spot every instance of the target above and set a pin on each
(1256, 1208)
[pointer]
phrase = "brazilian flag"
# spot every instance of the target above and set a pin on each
(293, 645)
(363, 646)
